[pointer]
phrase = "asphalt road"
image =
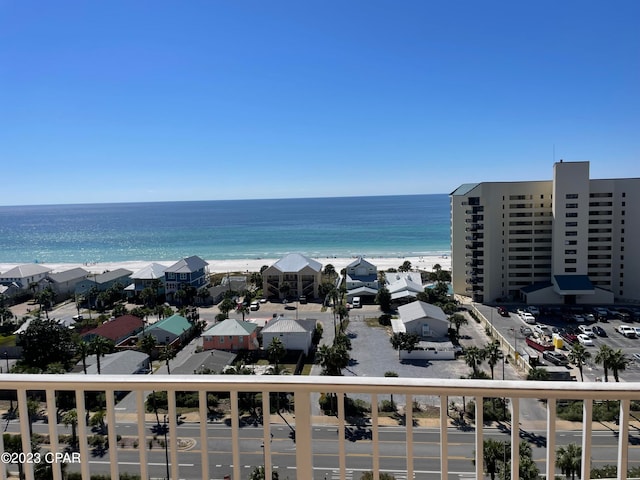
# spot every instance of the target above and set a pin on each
(358, 445)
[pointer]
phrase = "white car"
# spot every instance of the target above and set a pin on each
(626, 330)
(587, 330)
(528, 318)
(255, 305)
(533, 310)
(585, 340)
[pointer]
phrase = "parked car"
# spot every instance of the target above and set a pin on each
(585, 340)
(570, 338)
(503, 311)
(636, 357)
(303, 299)
(589, 317)
(528, 318)
(526, 331)
(255, 305)
(578, 318)
(587, 330)
(556, 358)
(535, 311)
(601, 311)
(626, 330)
(599, 331)
(637, 329)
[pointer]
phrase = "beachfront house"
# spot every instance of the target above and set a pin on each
(231, 335)
(151, 276)
(404, 287)
(119, 330)
(294, 334)
(361, 280)
(188, 272)
(292, 276)
(24, 276)
(63, 284)
(102, 282)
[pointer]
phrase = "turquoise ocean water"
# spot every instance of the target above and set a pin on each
(408, 225)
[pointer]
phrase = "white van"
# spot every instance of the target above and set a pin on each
(356, 302)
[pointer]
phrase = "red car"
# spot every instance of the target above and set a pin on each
(503, 311)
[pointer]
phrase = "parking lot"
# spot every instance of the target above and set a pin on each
(564, 321)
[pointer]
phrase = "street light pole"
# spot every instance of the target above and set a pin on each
(6, 357)
(166, 446)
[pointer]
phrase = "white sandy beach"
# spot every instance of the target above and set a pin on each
(250, 265)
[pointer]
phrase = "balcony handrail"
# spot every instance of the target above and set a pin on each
(320, 384)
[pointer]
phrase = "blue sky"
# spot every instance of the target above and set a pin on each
(163, 100)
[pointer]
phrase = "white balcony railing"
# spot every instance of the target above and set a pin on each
(305, 390)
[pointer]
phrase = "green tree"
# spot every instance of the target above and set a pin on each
(405, 267)
(332, 359)
(226, 306)
(83, 349)
(43, 342)
(493, 456)
(329, 270)
(383, 298)
(537, 373)
(473, 357)
(619, 362)
(148, 297)
(579, 356)
(493, 354)
(276, 353)
(404, 341)
(569, 460)
(45, 299)
(258, 474)
(390, 374)
(147, 344)
(457, 320)
(603, 357)
(381, 476)
(167, 353)
(70, 419)
(100, 346)
(242, 309)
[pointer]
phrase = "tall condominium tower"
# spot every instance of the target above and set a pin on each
(568, 240)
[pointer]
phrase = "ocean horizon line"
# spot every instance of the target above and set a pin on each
(146, 202)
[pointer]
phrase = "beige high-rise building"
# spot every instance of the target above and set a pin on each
(569, 240)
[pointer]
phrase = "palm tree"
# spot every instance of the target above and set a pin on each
(569, 460)
(329, 270)
(619, 362)
(99, 346)
(70, 418)
(579, 356)
(147, 344)
(457, 321)
(493, 454)
(167, 353)
(405, 267)
(473, 356)
(603, 357)
(243, 309)
(391, 374)
(276, 352)
(83, 350)
(493, 354)
(332, 359)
